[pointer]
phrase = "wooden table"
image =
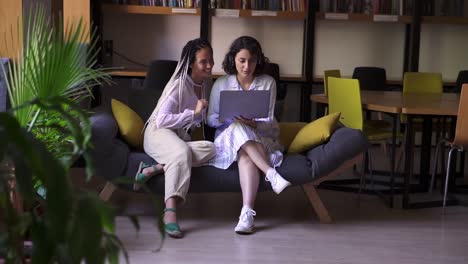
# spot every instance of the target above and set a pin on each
(393, 102)
(413, 105)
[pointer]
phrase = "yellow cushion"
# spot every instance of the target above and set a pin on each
(314, 133)
(288, 131)
(130, 123)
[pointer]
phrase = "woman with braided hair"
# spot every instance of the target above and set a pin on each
(181, 107)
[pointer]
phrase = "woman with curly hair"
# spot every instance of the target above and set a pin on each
(253, 143)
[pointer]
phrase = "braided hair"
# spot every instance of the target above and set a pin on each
(180, 74)
(188, 56)
(250, 44)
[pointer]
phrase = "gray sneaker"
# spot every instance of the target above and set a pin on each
(246, 222)
(278, 183)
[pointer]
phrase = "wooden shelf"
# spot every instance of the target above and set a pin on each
(151, 10)
(364, 17)
(136, 73)
(444, 20)
(283, 77)
(234, 13)
(141, 73)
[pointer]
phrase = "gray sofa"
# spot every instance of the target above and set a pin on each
(114, 158)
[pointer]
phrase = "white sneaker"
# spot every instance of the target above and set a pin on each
(278, 183)
(246, 221)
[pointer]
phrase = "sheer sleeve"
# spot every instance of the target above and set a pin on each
(169, 115)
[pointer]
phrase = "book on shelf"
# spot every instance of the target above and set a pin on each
(368, 7)
(268, 5)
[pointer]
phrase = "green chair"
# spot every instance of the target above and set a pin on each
(414, 83)
(422, 82)
(344, 96)
(326, 74)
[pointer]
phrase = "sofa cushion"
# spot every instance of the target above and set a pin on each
(344, 144)
(288, 131)
(314, 133)
(129, 122)
(295, 168)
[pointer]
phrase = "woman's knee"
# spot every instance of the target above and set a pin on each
(182, 154)
(250, 144)
(243, 159)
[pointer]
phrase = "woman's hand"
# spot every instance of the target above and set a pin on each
(250, 122)
(201, 104)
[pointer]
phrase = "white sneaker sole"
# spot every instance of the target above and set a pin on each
(278, 191)
(244, 231)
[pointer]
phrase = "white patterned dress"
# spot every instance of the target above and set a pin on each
(231, 135)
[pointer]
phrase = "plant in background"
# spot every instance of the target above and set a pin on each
(77, 226)
(43, 134)
(53, 62)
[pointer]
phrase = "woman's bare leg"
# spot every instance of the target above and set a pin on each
(257, 154)
(249, 178)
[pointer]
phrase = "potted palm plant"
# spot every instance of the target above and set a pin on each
(51, 74)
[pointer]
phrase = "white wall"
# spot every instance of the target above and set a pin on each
(339, 44)
(444, 48)
(147, 37)
(344, 45)
(281, 40)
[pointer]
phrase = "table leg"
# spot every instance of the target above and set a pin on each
(392, 165)
(426, 144)
(408, 161)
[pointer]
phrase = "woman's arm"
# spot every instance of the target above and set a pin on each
(169, 116)
(213, 109)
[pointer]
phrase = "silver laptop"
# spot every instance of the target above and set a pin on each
(249, 104)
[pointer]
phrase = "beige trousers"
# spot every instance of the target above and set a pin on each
(177, 156)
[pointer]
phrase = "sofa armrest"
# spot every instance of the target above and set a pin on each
(109, 153)
(344, 144)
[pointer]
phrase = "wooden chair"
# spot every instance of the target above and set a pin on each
(459, 142)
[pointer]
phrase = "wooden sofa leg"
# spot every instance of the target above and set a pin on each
(319, 207)
(107, 191)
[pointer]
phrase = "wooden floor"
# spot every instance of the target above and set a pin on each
(288, 232)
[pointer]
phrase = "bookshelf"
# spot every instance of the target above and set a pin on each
(444, 20)
(143, 33)
(430, 39)
(313, 30)
(149, 10)
(283, 19)
(358, 17)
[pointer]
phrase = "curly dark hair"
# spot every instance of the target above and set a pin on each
(250, 44)
(189, 53)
